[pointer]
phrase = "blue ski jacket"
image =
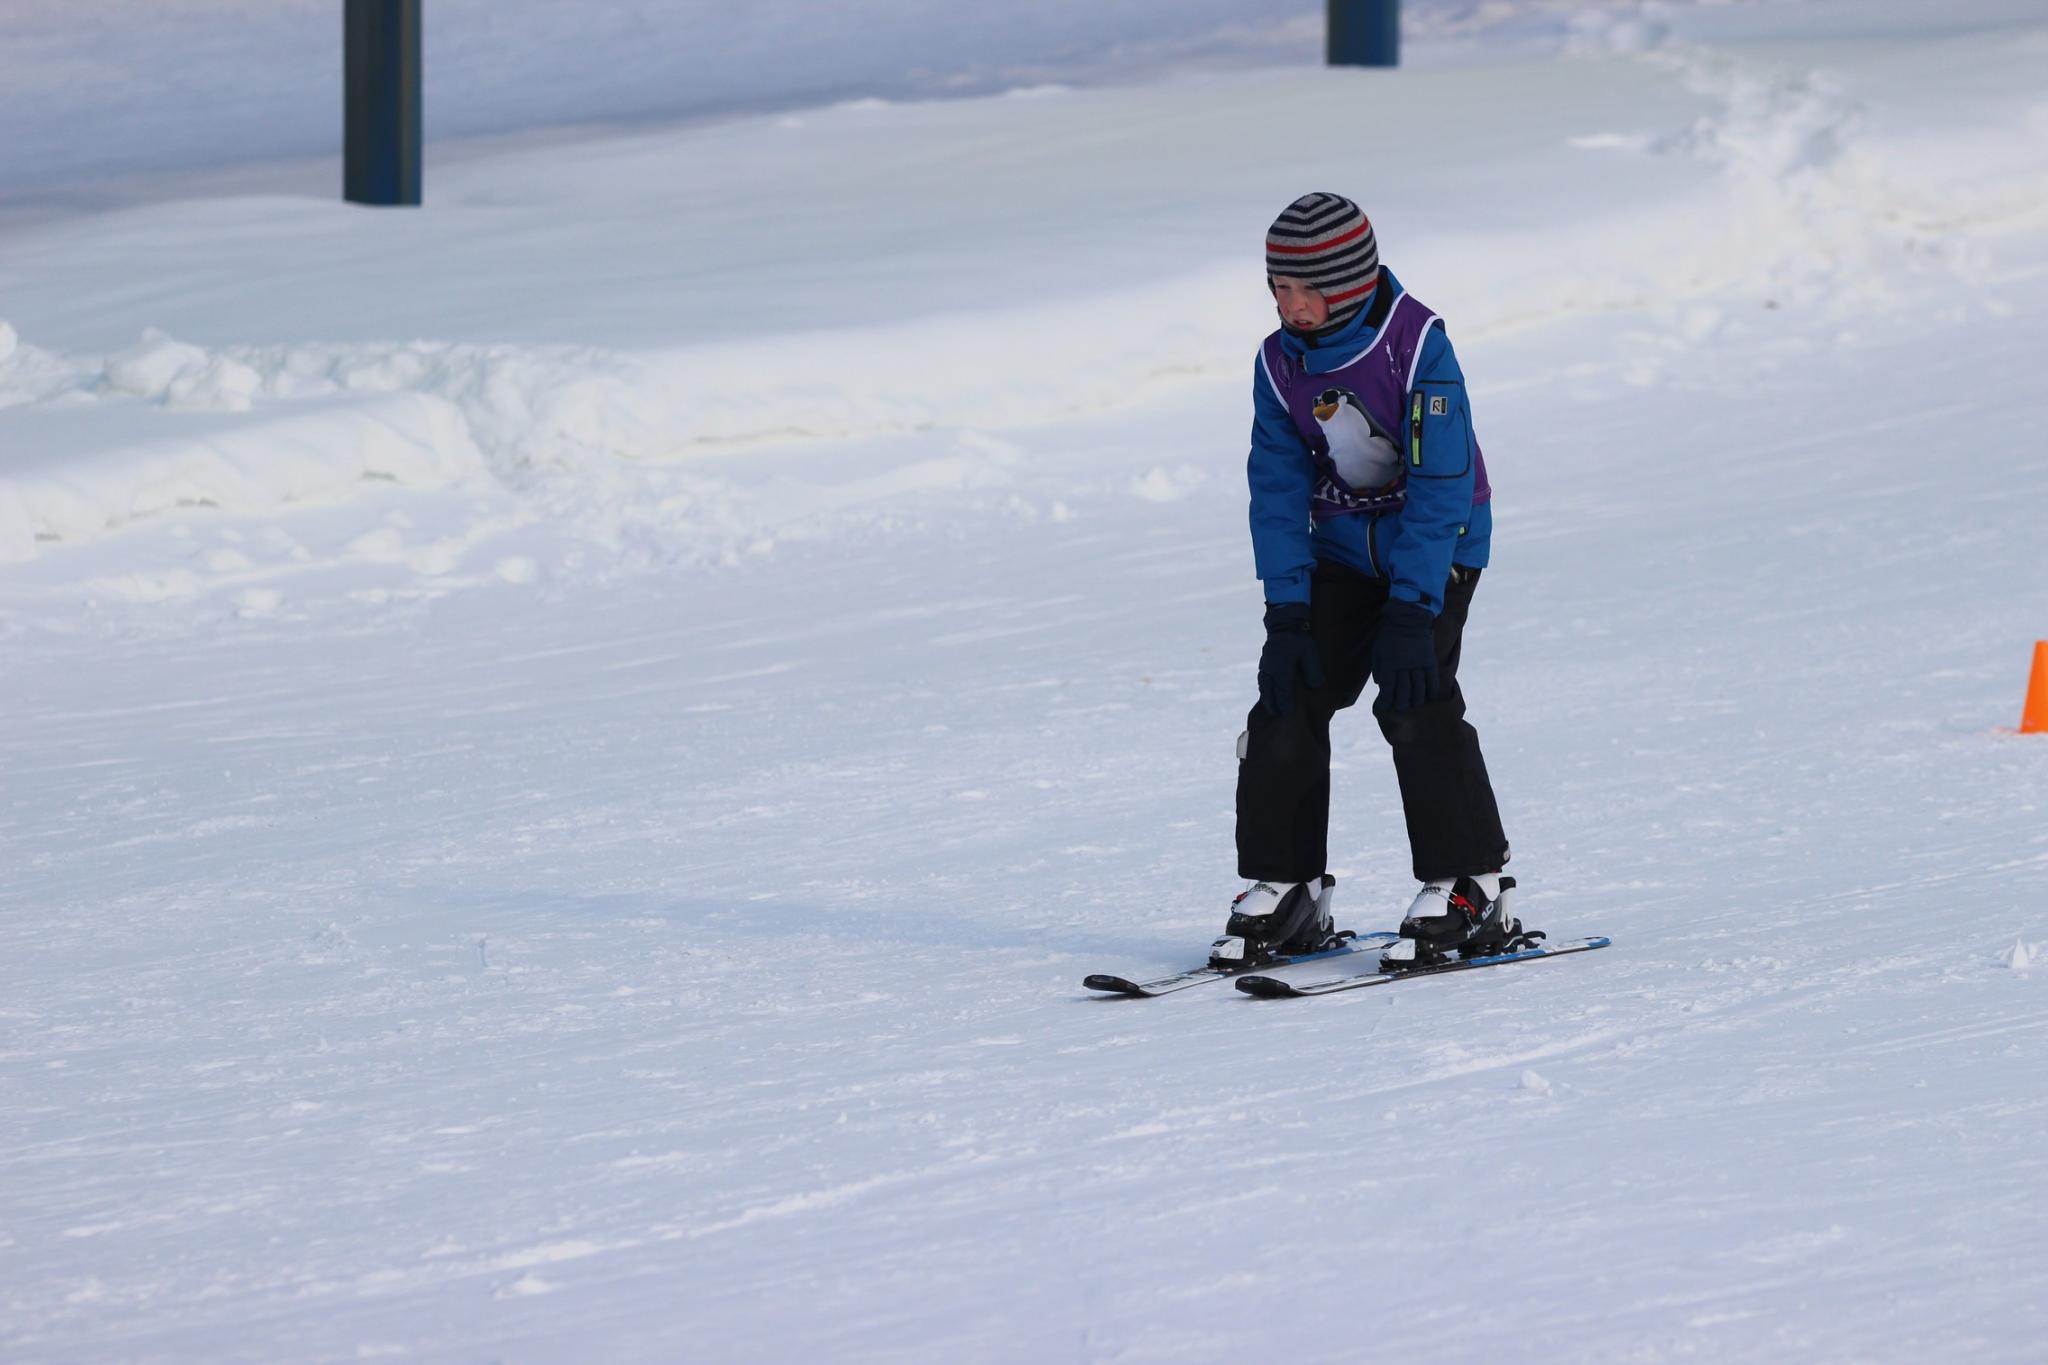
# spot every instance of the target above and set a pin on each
(1414, 545)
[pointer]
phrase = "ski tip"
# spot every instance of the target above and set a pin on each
(1574, 945)
(1116, 985)
(1264, 987)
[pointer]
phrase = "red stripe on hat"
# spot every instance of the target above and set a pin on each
(1319, 247)
(1353, 293)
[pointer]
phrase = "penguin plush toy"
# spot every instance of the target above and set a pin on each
(1366, 459)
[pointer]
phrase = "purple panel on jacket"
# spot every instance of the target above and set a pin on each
(1354, 419)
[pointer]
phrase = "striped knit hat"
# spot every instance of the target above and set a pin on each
(1327, 240)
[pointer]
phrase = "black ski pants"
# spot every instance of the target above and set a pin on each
(1283, 773)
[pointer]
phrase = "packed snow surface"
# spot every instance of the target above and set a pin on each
(566, 753)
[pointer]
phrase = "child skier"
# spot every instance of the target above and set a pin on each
(1370, 519)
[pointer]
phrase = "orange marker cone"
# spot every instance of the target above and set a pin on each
(2034, 719)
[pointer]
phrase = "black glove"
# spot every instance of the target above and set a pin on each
(1404, 656)
(1289, 651)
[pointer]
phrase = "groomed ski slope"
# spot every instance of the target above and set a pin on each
(566, 823)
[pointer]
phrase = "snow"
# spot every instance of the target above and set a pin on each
(567, 752)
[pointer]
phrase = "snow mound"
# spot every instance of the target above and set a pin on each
(177, 375)
(78, 470)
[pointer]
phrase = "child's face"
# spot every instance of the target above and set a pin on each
(1301, 303)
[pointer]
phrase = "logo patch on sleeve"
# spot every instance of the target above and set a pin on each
(1439, 407)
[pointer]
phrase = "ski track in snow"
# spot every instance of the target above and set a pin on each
(638, 912)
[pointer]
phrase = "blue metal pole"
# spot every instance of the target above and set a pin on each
(1364, 33)
(381, 118)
